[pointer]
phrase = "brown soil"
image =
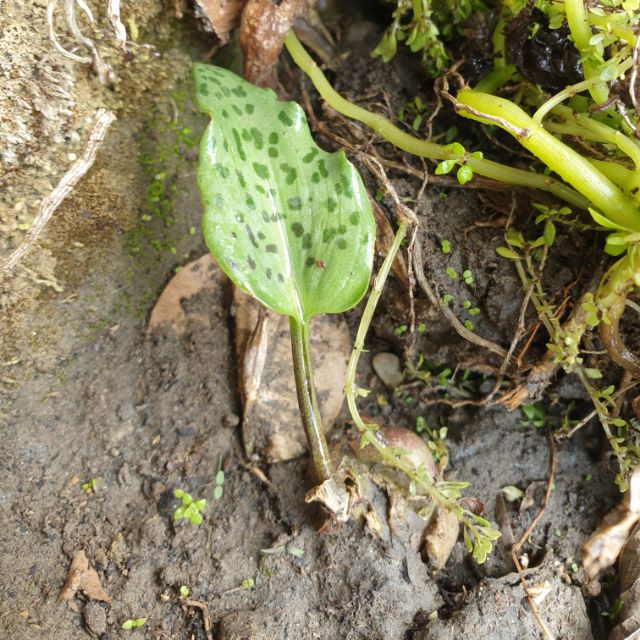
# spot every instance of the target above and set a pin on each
(85, 394)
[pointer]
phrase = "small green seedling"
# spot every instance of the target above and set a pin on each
(184, 591)
(91, 486)
(133, 623)
(218, 490)
(289, 223)
(535, 415)
(248, 583)
(190, 509)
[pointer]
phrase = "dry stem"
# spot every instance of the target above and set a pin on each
(101, 123)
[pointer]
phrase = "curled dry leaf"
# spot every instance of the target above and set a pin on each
(263, 28)
(220, 17)
(602, 549)
(271, 424)
(200, 274)
(629, 616)
(82, 577)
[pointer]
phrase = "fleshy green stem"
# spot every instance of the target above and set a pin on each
(581, 33)
(424, 148)
(567, 163)
(307, 401)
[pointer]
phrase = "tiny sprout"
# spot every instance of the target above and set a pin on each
(217, 492)
(133, 623)
(184, 591)
(446, 246)
(90, 486)
(474, 311)
(534, 413)
(447, 298)
(422, 327)
(468, 324)
(190, 509)
(248, 583)
(467, 276)
(398, 331)
(466, 304)
(452, 273)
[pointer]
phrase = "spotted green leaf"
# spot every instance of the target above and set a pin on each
(288, 222)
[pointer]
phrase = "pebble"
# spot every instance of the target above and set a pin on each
(388, 368)
(230, 420)
(95, 618)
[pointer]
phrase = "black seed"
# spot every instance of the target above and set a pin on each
(354, 218)
(273, 152)
(273, 138)
(265, 216)
(271, 248)
(204, 89)
(239, 91)
(241, 180)
(342, 243)
(269, 273)
(237, 109)
(222, 170)
(226, 91)
(297, 229)
(251, 203)
(306, 241)
(245, 135)
(332, 205)
(342, 229)
(322, 169)
(309, 262)
(261, 235)
(224, 113)
(251, 262)
(249, 108)
(315, 177)
(280, 278)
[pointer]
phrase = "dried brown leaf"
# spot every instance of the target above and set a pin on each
(82, 577)
(271, 424)
(602, 549)
(220, 17)
(200, 274)
(440, 537)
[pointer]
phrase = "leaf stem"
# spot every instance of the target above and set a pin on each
(309, 411)
(424, 148)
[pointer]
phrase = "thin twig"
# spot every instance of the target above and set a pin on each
(101, 123)
(525, 536)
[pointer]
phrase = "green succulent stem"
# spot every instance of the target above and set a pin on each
(424, 148)
(581, 33)
(307, 401)
(572, 167)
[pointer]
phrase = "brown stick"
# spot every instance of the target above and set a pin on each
(101, 123)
